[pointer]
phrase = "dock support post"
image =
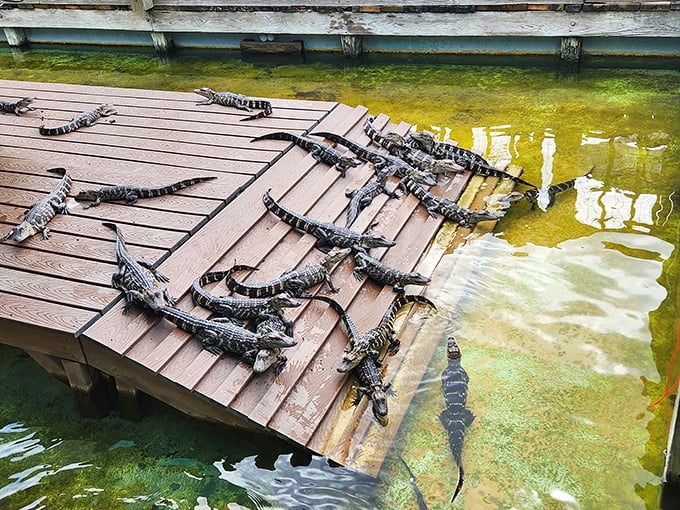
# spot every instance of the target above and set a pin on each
(89, 389)
(571, 49)
(351, 45)
(128, 401)
(16, 37)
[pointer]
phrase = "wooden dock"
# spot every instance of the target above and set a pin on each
(596, 27)
(56, 300)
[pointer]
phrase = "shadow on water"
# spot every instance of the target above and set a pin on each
(566, 318)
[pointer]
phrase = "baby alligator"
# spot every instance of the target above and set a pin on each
(532, 195)
(236, 307)
(328, 235)
(132, 193)
(39, 215)
(220, 334)
(456, 417)
(138, 279)
(398, 146)
(295, 282)
(362, 197)
(84, 119)
(238, 101)
(400, 168)
(266, 358)
(384, 274)
(463, 157)
(17, 107)
(320, 151)
(434, 204)
(371, 342)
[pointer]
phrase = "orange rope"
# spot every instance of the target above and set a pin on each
(668, 389)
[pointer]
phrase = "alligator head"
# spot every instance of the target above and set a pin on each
(24, 230)
(106, 109)
(206, 92)
(264, 359)
(424, 139)
(331, 260)
(283, 300)
(446, 165)
(274, 339)
(88, 194)
(370, 240)
(353, 355)
(483, 215)
(379, 403)
(153, 297)
(346, 162)
(423, 177)
(414, 278)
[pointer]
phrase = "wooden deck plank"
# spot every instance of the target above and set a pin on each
(52, 316)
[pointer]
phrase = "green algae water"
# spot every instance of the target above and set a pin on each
(567, 318)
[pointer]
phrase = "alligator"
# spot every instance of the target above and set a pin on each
(320, 151)
(17, 107)
(362, 197)
(40, 213)
(456, 417)
(467, 159)
(238, 101)
(398, 146)
(131, 193)
(434, 204)
(532, 195)
(384, 274)
(372, 385)
(371, 342)
(381, 160)
(236, 307)
(138, 279)
(328, 235)
(266, 358)
(221, 335)
(294, 282)
(85, 119)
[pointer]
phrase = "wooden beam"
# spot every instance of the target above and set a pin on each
(425, 24)
(351, 45)
(141, 5)
(88, 388)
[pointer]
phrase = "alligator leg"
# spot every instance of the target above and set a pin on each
(131, 198)
(280, 363)
(45, 233)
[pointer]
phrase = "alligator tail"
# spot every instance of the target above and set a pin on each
(172, 188)
(61, 130)
(276, 135)
(298, 221)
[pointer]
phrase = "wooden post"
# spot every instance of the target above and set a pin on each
(51, 364)
(351, 45)
(161, 42)
(16, 37)
(570, 52)
(89, 389)
(128, 401)
(141, 5)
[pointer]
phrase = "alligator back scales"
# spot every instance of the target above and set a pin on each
(320, 151)
(456, 417)
(85, 119)
(138, 279)
(231, 306)
(381, 273)
(131, 193)
(238, 101)
(39, 215)
(219, 335)
(327, 234)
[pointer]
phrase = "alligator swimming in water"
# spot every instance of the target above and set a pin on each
(85, 119)
(380, 160)
(17, 107)
(456, 418)
(434, 204)
(39, 214)
(295, 282)
(381, 273)
(131, 193)
(328, 235)
(138, 279)
(467, 159)
(532, 195)
(320, 151)
(238, 101)
(221, 335)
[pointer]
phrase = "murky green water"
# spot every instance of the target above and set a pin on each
(567, 319)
